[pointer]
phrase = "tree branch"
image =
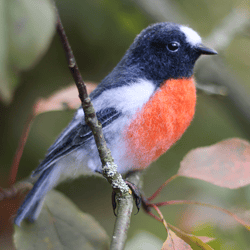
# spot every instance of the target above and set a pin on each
(214, 70)
(125, 207)
(235, 23)
(109, 168)
(125, 199)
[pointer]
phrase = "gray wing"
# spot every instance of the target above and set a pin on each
(73, 137)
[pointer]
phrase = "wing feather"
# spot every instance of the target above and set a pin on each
(73, 137)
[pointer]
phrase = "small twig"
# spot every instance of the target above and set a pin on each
(211, 69)
(161, 187)
(109, 168)
(125, 207)
(19, 151)
(189, 202)
(161, 215)
(125, 200)
(214, 70)
(235, 23)
(212, 89)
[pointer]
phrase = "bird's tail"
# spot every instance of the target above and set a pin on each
(32, 205)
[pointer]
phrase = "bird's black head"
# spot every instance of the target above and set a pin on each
(165, 50)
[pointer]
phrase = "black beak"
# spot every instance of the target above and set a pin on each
(205, 50)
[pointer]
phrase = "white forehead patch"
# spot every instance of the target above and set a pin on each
(192, 36)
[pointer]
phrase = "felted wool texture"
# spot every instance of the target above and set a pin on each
(161, 121)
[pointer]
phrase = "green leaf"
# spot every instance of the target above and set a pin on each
(174, 242)
(189, 238)
(61, 225)
(26, 30)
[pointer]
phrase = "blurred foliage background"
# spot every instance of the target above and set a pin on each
(100, 32)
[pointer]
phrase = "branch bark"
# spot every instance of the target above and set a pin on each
(125, 199)
(125, 207)
(109, 167)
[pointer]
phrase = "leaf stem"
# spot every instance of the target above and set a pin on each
(161, 187)
(188, 202)
(19, 151)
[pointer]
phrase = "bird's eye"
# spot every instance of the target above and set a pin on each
(173, 46)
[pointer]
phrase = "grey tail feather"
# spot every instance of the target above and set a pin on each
(32, 205)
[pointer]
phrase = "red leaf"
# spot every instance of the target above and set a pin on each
(66, 97)
(225, 164)
(173, 242)
(190, 238)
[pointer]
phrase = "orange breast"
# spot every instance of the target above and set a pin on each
(160, 122)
